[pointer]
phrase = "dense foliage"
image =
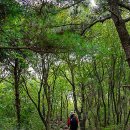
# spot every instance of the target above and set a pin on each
(62, 56)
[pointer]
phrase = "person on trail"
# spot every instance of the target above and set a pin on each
(72, 122)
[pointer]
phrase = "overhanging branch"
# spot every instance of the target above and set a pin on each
(64, 25)
(124, 5)
(100, 20)
(38, 49)
(94, 22)
(14, 48)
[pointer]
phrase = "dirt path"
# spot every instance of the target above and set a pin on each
(59, 125)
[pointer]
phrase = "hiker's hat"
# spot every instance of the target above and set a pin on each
(71, 113)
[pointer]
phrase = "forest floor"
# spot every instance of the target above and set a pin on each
(59, 125)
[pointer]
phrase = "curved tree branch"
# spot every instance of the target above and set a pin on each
(101, 20)
(121, 4)
(37, 49)
(94, 22)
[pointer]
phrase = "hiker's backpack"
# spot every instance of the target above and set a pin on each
(73, 122)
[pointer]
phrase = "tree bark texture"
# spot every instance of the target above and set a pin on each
(120, 27)
(17, 93)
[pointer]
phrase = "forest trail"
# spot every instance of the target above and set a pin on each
(59, 125)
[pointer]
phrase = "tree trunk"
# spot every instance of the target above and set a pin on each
(17, 95)
(100, 92)
(127, 120)
(120, 27)
(61, 106)
(112, 86)
(67, 104)
(82, 124)
(83, 108)
(109, 106)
